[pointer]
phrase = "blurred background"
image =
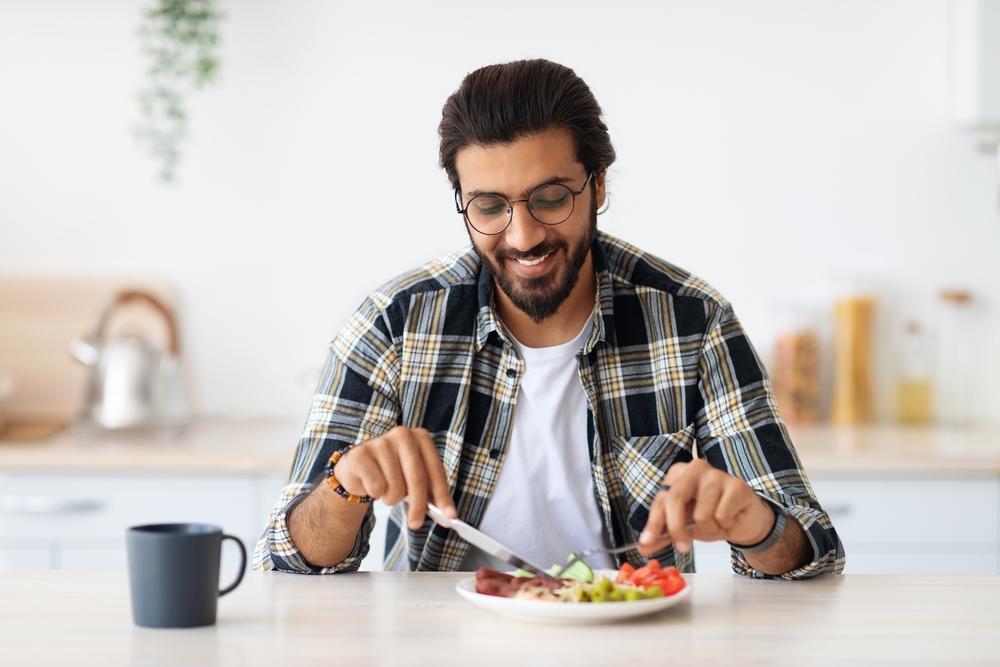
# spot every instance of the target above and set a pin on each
(830, 167)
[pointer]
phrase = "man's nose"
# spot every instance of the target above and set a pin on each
(524, 232)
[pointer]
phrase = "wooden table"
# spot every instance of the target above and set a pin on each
(74, 618)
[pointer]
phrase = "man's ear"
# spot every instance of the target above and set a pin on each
(599, 191)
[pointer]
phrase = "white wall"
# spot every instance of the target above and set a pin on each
(766, 146)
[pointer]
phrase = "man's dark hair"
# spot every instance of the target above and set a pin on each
(499, 104)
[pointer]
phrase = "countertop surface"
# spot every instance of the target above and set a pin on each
(890, 449)
(267, 446)
(235, 446)
(83, 618)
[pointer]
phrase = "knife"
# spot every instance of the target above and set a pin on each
(484, 542)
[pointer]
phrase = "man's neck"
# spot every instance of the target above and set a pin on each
(564, 325)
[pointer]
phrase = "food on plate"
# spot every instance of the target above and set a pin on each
(577, 569)
(650, 576)
(631, 584)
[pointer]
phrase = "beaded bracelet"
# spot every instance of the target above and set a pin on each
(337, 486)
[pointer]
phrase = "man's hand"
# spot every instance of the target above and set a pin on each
(403, 463)
(705, 504)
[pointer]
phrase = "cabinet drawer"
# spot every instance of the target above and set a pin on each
(912, 510)
(17, 555)
(61, 507)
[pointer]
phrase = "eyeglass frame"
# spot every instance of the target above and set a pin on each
(511, 202)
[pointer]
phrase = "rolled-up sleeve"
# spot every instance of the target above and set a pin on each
(356, 400)
(740, 431)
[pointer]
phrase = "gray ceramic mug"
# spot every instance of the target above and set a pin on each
(174, 573)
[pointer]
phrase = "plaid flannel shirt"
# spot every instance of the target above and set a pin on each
(668, 373)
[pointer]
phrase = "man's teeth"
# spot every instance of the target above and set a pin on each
(533, 262)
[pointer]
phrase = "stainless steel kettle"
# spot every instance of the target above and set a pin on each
(133, 384)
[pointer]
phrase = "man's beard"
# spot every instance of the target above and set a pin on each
(539, 298)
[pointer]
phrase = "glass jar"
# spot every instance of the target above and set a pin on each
(955, 371)
(796, 370)
(853, 399)
(914, 377)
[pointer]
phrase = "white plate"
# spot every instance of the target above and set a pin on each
(568, 613)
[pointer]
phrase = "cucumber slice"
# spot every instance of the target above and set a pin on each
(579, 571)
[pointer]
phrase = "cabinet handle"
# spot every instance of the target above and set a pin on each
(838, 510)
(39, 506)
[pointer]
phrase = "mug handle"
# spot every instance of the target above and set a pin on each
(243, 564)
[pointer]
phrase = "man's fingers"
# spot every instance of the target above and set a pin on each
(395, 481)
(367, 470)
(675, 472)
(436, 476)
(676, 505)
(656, 525)
(412, 463)
(709, 493)
(731, 503)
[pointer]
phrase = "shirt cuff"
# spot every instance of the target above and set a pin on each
(276, 551)
(804, 516)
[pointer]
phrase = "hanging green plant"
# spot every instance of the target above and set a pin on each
(179, 39)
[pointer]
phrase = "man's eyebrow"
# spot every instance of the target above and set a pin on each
(555, 179)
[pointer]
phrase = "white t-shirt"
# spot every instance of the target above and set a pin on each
(543, 506)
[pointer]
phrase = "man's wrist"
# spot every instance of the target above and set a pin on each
(336, 484)
(772, 537)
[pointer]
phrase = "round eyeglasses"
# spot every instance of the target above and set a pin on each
(491, 213)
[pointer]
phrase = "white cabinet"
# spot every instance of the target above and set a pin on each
(25, 555)
(892, 524)
(78, 521)
(373, 561)
(915, 524)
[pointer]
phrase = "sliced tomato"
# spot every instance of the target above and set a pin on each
(648, 580)
(654, 566)
(672, 582)
(626, 571)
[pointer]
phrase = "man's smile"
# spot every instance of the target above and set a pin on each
(534, 266)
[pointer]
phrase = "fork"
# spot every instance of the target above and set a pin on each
(586, 553)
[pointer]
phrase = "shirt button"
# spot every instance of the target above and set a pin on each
(511, 372)
(494, 453)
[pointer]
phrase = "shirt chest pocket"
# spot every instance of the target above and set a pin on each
(642, 462)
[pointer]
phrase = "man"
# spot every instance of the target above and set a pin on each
(551, 385)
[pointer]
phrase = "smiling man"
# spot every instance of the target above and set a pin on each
(553, 385)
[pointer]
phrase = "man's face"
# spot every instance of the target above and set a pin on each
(513, 170)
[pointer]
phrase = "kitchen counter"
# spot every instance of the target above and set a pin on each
(266, 446)
(408, 619)
(226, 446)
(891, 449)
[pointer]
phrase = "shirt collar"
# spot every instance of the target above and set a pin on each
(487, 320)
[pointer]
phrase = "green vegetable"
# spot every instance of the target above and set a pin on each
(654, 592)
(579, 570)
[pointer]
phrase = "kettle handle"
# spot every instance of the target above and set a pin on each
(132, 296)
